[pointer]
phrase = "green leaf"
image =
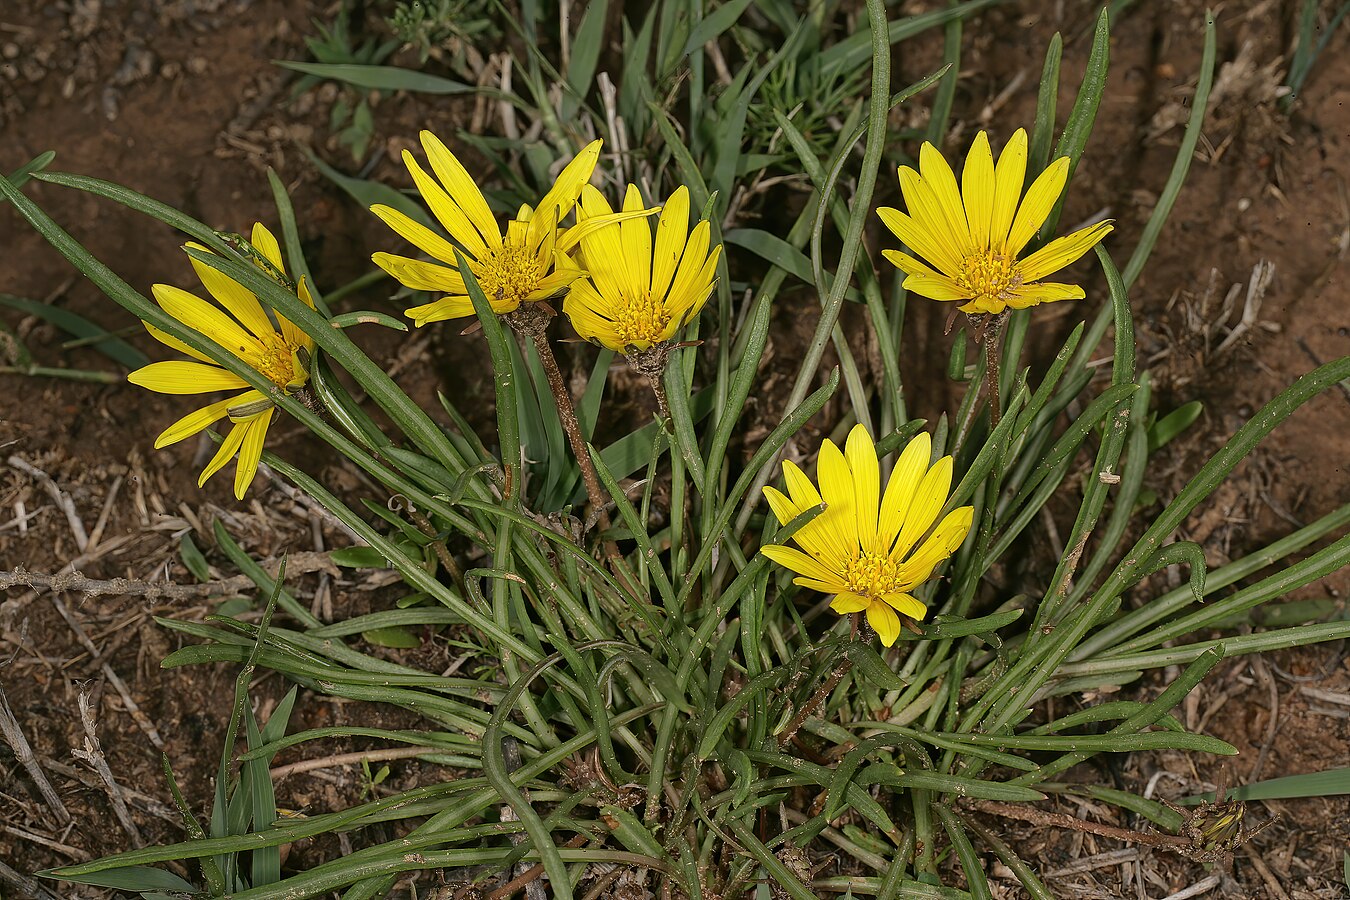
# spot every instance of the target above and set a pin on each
(713, 24)
(131, 878)
(389, 78)
(586, 48)
(193, 559)
(1173, 424)
(359, 558)
(369, 193)
(854, 50)
(367, 317)
(1327, 783)
(776, 251)
(394, 636)
(1078, 128)
(20, 176)
(1182, 165)
(889, 774)
(109, 345)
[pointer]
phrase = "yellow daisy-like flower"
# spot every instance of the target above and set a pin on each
(971, 236)
(639, 295)
(240, 325)
(529, 262)
(868, 547)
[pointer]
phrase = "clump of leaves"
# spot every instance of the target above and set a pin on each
(336, 45)
(431, 25)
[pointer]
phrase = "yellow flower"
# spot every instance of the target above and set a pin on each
(247, 332)
(638, 294)
(971, 236)
(865, 548)
(529, 262)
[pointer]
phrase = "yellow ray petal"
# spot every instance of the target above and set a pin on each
(861, 454)
(446, 210)
(238, 300)
(169, 340)
(419, 275)
(884, 622)
(1062, 251)
(941, 544)
(938, 176)
(1037, 204)
(183, 377)
(815, 536)
(800, 563)
(227, 449)
(580, 306)
(923, 241)
(688, 276)
(939, 288)
(910, 265)
(417, 234)
(462, 188)
(928, 214)
(909, 470)
(196, 313)
(688, 301)
(563, 195)
(906, 605)
(250, 451)
(672, 230)
(553, 284)
(977, 190)
(929, 498)
(265, 243)
(836, 489)
(440, 310)
(636, 236)
(988, 305)
(602, 245)
(1044, 292)
(845, 603)
(1009, 175)
(293, 334)
(198, 419)
(783, 508)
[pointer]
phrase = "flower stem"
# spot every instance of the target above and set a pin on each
(989, 331)
(662, 405)
(652, 364)
(840, 670)
(567, 413)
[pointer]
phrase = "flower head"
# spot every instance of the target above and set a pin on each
(971, 236)
(639, 294)
(241, 326)
(529, 261)
(868, 547)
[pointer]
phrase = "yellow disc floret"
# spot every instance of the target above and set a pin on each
(872, 575)
(989, 277)
(640, 320)
(509, 275)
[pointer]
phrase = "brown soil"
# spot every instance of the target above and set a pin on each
(178, 99)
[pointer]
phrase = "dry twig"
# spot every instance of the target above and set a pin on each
(61, 498)
(92, 754)
(9, 728)
(134, 709)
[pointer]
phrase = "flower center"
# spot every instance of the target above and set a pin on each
(989, 276)
(278, 364)
(872, 575)
(509, 275)
(640, 319)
